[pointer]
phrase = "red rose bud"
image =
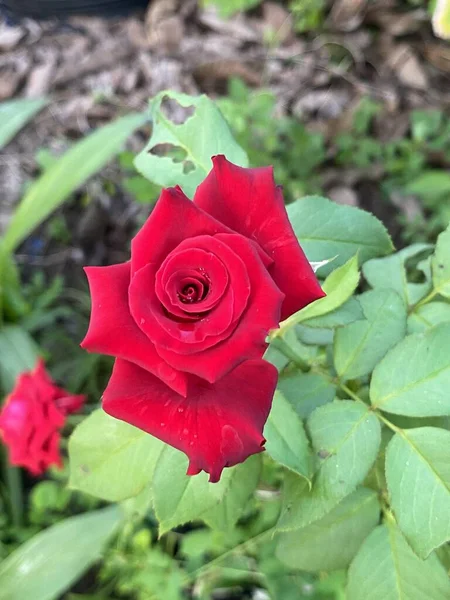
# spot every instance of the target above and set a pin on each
(32, 417)
(187, 317)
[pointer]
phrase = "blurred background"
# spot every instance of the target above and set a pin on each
(349, 99)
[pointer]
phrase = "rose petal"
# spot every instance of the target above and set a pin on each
(216, 425)
(194, 336)
(112, 329)
(247, 339)
(248, 201)
(174, 219)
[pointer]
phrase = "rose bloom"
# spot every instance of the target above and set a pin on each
(188, 316)
(31, 419)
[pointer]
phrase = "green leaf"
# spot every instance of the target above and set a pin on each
(50, 562)
(418, 478)
(306, 391)
(345, 437)
(111, 459)
(179, 498)
(18, 353)
(414, 377)
(243, 482)
(349, 312)
(286, 439)
(391, 273)
(331, 542)
(193, 143)
(428, 315)
(79, 163)
(14, 114)
(386, 568)
(338, 286)
(227, 8)
(440, 264)
(429, 184)
(327, 229)
(359, 346)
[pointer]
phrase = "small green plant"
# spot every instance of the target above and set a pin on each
(284, 142)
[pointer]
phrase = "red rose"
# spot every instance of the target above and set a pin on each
(188, 316)
(32, 417)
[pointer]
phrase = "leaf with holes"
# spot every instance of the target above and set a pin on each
(345, 437)
(286, 439)
(359, 346)
(414, 377)
(386, 568)
(180, 154)
(331, 542)
(111, 459)
(326, 229)
(418, 478)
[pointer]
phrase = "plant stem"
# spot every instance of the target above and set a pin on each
(434, 292)
(280, 344)
(13, 482)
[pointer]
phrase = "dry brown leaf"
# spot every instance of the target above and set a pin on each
(438, 55)
(278, 21)
(406, 65)
(347, 15)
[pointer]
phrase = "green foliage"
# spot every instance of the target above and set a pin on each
(345, 438)
(331, 542)
(326, 229)
(413, 379)
(418, 478)
(73, 545)
(227, 8)
(56, 184)
(351, 499)
(359, 346)
(287, 442)
(115, 465)
(14, 114)
(18, 353)
(308, 15)
(285, 143)
(403, 575)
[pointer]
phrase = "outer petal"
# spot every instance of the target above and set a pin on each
(247, 339)
(173, 219)
(248, 201)
(216, 425)
(112, 329)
